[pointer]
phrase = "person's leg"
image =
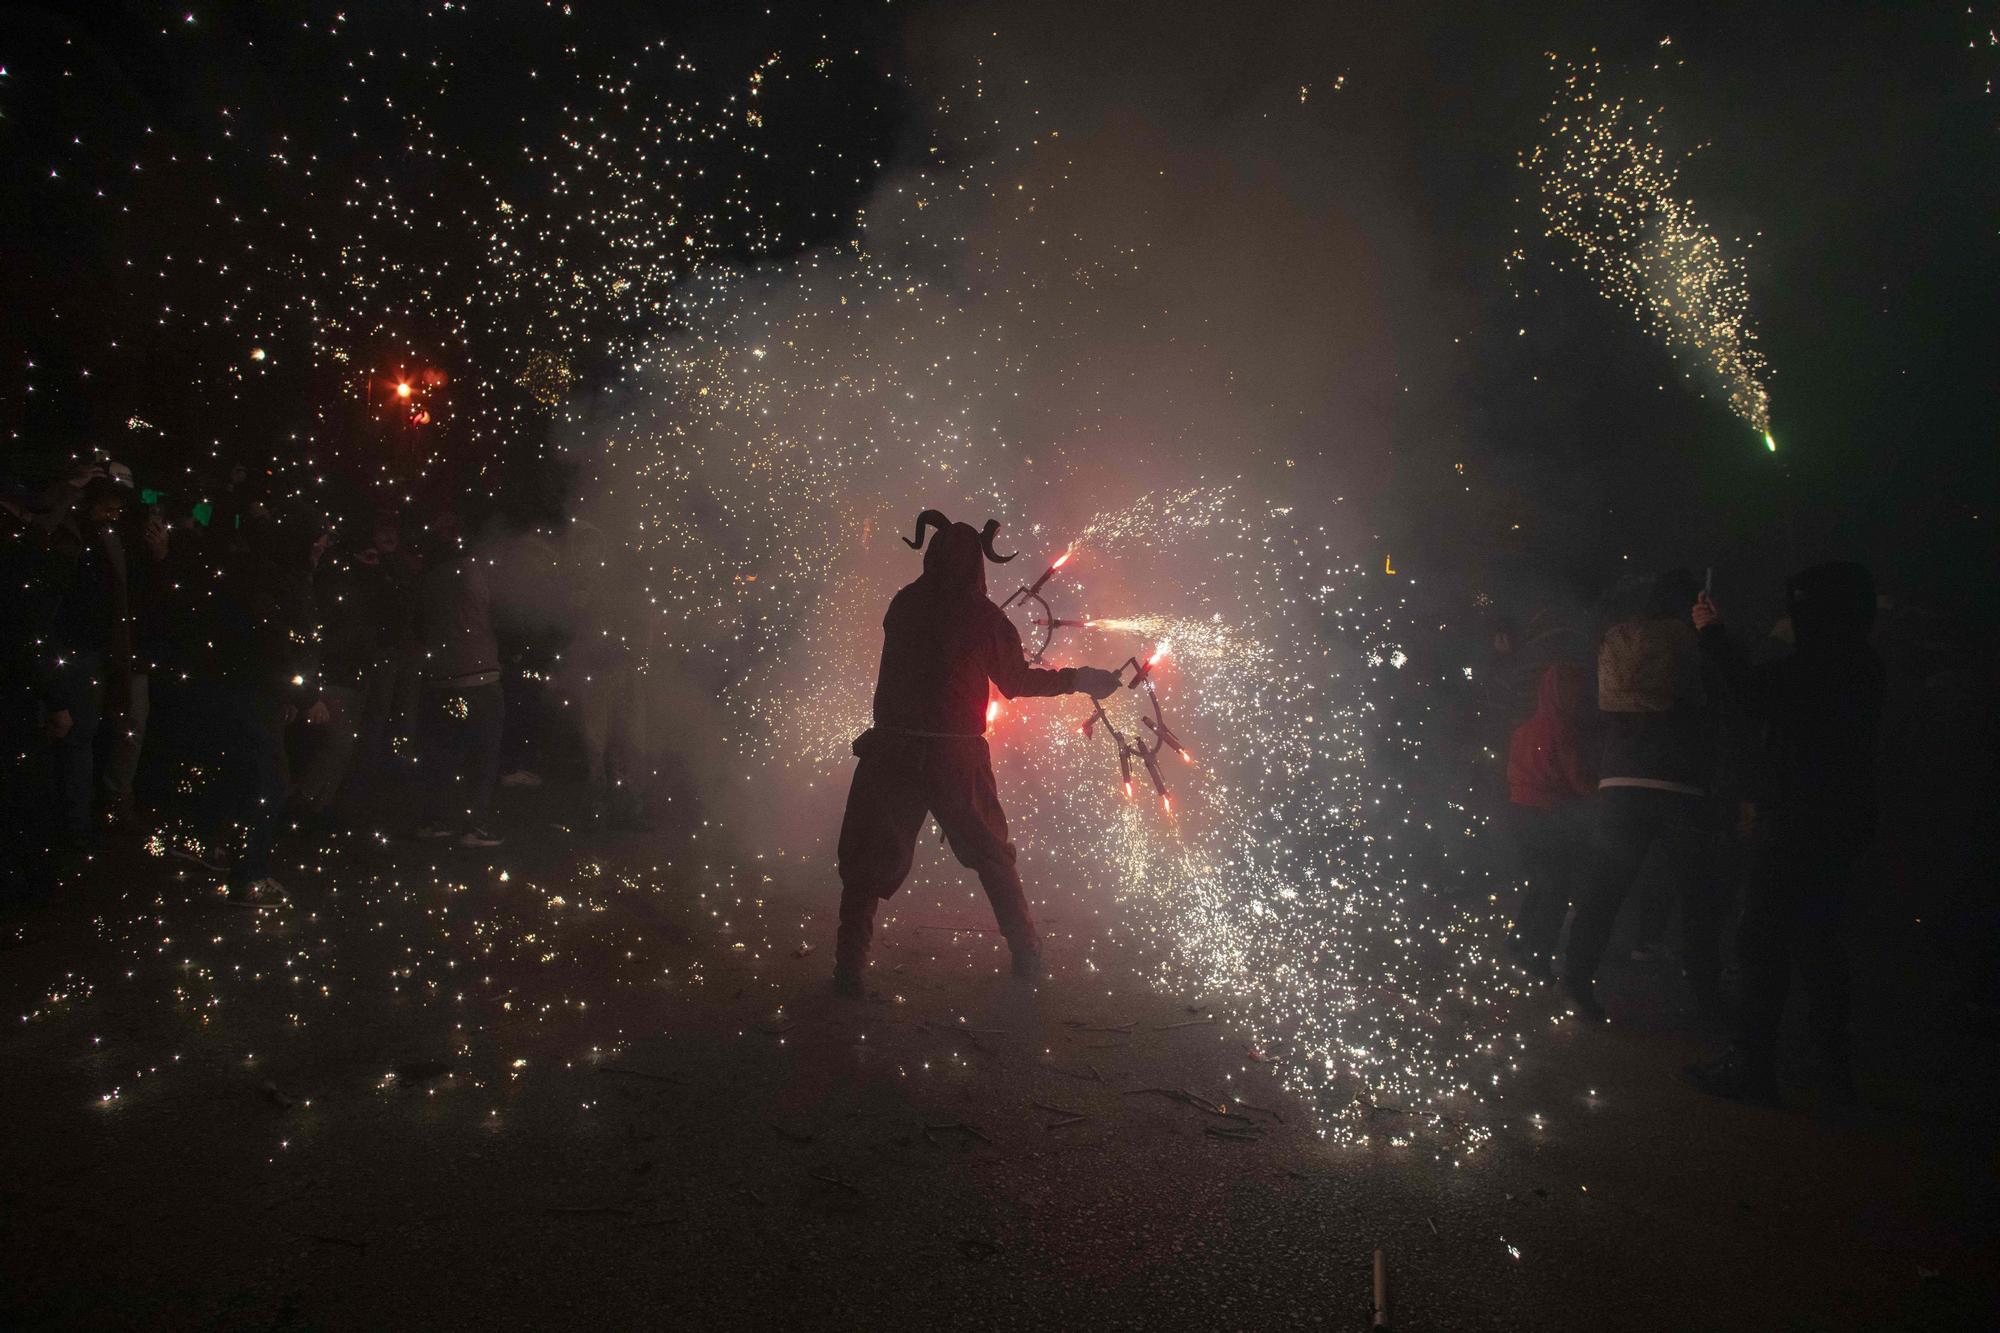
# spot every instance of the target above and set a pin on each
(1821, 954)
(260, 731)
(332, 750)
(378, 691)
(486, 717)
(1537, 918)
(1656, 909)
(1689, 840)
(1765, 942)
(76, 752)
(966, 801)
(878, 839)
(438, 756)
(121, 765)
(1625, 830)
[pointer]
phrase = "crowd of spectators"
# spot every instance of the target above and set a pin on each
(209, 674)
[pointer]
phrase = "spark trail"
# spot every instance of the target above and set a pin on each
(1608, 188)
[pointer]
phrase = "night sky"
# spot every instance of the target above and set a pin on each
(183, 191)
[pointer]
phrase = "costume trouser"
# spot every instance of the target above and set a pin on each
(75, 755)
(460, 745)
(1793, 917)
(900, 779)
(332, 751)
(1554, 848)
(1630, 822)
(121, 762)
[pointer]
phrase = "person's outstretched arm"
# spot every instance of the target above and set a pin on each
(1008, 668)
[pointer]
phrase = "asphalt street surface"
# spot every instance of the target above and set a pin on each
(601, 1080)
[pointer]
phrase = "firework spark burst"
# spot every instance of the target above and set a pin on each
(1609, 189)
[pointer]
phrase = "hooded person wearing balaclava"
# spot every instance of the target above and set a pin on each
(1819, 710)
(943, 641)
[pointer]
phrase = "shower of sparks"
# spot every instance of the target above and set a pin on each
(1313, 880)
(756, 432)
(1608, 187)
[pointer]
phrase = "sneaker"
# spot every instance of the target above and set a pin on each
(266, 892)
(1582, 997)
(479, 837)
(1735, 1076)
(848, 984)
(1028, 966)
(434, 830)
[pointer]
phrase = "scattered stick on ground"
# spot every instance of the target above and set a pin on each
(956, 1127)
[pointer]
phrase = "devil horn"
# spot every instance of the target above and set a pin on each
(930, 518)
(986, 540)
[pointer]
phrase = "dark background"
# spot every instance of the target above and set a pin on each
(1858, 139)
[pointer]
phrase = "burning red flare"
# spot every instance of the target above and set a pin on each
(1061, 560)
(992, 710)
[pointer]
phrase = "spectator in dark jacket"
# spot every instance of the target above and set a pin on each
(1551, 776)
(1656, 762)
(260, 671)
(461, 709)
(1814, 789)
(144, 543)
(31, 585)
(91, 635)
(346, 593)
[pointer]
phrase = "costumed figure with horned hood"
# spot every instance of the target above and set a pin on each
(943, 640)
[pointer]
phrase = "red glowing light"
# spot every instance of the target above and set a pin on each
(1159, 653)
(402, 388)
(992, 710)
(1061, 560)
(1128, 790)
(1186, 758)
(1166, 803)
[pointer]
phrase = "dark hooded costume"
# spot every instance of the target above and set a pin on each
(1813, 779)
(943, 641)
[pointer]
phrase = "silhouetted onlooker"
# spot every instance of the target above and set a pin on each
(1657, 759)
(30, 593)
(1551, 776)
(1814, 789)
(261, 670)
(462, 710)
(345, 593)
(128, 684)
(90, 635)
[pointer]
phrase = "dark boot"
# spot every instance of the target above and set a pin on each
(857, 931)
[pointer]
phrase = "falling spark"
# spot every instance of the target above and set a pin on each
(1609, 189)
